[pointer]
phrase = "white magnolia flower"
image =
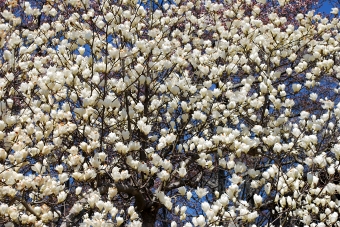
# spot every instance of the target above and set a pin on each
(119, 220)
(257, 200)
(327, 104)
(182, 171)
(296, 87)
(182, 190)
(200, 192)
(173, 224)
(121, 148)
(199, 221)
(267, 188)
(62, 196)
(144, 127)
(335, 11)
(78, 190)
(163, 175)
(189, 195)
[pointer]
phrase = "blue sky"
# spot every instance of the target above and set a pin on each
(326, 7)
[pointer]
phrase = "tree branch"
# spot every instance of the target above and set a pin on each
(140, 201)
(28, 207)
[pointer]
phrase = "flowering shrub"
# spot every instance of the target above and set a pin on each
(140, 113)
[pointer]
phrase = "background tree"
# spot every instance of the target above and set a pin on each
(120, 113)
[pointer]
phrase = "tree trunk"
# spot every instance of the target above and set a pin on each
(149, 215)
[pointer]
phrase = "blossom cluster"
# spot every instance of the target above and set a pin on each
(118, 113)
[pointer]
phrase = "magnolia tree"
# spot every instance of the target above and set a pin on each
(127, 113)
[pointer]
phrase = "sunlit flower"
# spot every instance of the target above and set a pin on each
(335, 11)
(164, 175)
(200, 192)
(62, 196)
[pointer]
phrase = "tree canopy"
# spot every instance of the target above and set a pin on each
(184, 113)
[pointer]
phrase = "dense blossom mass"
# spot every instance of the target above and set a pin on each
(144, 113)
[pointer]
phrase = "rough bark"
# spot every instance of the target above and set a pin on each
(149, 214)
